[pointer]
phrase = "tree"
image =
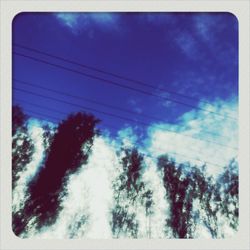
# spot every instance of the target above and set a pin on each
(128, 190)
(179, 194)
(205, 191)
(18, 119)
(218, 198)
(228, 185)
(22, 150)
(69, 149)
(22, 146)
(185, 185)
(48, 136)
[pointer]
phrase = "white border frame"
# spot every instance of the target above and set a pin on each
(10, 8)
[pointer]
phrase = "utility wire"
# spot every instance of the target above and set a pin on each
(107, 72)
(56, 111)
(117, 116)
(77, 105)
(54, 119)
(98, 103)
(42, 116)
(88, 100)
(120, 85)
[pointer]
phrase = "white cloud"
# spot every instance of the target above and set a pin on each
(181, 141)
(127, 137)
(68, 19)
(89, 192)
(78, 22)
(153, 180)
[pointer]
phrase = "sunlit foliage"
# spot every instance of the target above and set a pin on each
(195, 199)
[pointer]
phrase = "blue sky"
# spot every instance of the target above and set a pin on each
(195, 54)
(192, 54)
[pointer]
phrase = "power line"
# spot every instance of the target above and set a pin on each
(88, 100)
(117, 116)
(107, 72)
(54, 119)
(120, 85)
(42, 116)
(59, 111)
(97, 102)
(77, 105)
(56, 111)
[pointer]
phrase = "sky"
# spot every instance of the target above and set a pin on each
(159, 76)
(165, 82)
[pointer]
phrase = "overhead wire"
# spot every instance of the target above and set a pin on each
(107, 72)
(44, 117)
(124, 86)
(99, 103)
(129, 111)
(56, 111)
(120, 117)
(29, 111)
(121, 85)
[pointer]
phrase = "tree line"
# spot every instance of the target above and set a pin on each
(69, 146)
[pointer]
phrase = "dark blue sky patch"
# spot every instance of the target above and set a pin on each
(191, 54)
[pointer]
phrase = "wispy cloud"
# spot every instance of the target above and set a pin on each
(188, 45)
(78, 22)
(95, 193)
(205, 25)
(134, 105)
(209, 28)
(127, 137)
(183, 144)
(68, 19)
(92, 183)
(158, 19)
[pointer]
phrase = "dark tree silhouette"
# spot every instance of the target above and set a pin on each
(18, 118)
(184, 184)
(48, 136)
(68, 146)
(179, 193)
(132, 164)
(128, 190)
(69, 149)
(228, 184)
(22, 150)
(22, 146)
(207, 193)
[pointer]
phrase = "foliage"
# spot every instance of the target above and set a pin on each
(129, 192)
(69, 149)
(186, 186)
(228, 186)
(22, 146)
(18, 119)
(180, 196)
(195, 198)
